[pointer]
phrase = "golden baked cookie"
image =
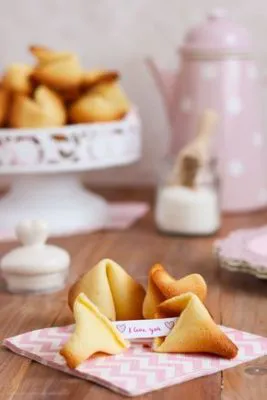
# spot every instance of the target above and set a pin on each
(96, 76)
(45, 109)
(70, 95)
(163, 286)
(112, 290)
(4, 105)
(58, 70)
(194, 331)
(103, 103)
(17, 78)
(42, 53)
(94, 108)
(153, 298)
(93, 334)
(114, 93)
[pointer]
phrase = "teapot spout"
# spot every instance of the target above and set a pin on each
(167, 83)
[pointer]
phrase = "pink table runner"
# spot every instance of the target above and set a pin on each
(139, 370)
(122, 215)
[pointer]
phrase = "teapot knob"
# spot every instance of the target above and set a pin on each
(32, 232)
(217, 13)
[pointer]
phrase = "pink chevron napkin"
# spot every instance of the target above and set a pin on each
(139, 370)
(122, 215)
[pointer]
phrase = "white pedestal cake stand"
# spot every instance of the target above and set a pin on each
(44, 168)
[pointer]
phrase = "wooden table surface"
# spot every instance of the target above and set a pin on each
(236, 300)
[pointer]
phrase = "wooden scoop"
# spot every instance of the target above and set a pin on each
(195, 154)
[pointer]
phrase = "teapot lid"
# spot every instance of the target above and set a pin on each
(218, 34)
(34, 257)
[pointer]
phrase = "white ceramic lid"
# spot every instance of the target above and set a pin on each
(34, 257)
(217, 34)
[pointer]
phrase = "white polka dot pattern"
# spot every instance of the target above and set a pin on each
(230, 86)
(230, 39)
(234, 105)
(252, 72)
(235, 168)
(257, 139)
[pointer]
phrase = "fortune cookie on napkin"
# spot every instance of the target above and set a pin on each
(93, 333)
(194, 331)
(162, 286)
(117, 295)
(153, 298)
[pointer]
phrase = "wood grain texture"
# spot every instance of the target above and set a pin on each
(233, 299)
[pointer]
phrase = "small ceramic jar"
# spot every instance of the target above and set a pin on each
(185, 210)
(34, 267)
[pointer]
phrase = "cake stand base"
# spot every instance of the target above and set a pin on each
(59, 199)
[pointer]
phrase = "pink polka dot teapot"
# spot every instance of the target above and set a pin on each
(217, 70)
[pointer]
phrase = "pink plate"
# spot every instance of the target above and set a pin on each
(244, 250)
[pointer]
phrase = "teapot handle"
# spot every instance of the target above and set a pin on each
(167, 83)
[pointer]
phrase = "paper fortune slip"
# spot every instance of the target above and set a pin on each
(141, 329)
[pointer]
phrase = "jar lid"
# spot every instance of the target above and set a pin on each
(34, 257)
(218, 34)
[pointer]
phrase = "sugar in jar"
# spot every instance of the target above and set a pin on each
(188, 210)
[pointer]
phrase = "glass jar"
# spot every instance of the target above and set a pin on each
(188, 210)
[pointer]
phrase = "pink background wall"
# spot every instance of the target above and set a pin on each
(119, 34)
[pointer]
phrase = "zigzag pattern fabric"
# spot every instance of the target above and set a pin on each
(139, 370)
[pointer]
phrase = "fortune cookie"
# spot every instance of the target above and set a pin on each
(17, 78)
(45, 109)
(42, 53)
(117, 295)
(153, 298)
(194, 331)
(58, 70)
(4, 104)
(93, 108)
(45, 54)
(163, 286)
(103, 103)
(96, 76)
(93, 333)
(70, 95)
(113, 93)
